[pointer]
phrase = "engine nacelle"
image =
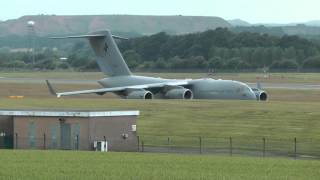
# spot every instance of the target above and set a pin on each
(181, 93)
(261, 95)
(140, 94)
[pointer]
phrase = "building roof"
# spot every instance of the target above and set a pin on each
(64, 113)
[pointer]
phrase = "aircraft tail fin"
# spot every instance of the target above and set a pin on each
(107, 53)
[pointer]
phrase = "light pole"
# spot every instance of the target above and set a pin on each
(31, 35)
(65, 60)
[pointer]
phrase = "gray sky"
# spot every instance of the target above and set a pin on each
(254, 11)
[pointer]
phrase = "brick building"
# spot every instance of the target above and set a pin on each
(38, 129)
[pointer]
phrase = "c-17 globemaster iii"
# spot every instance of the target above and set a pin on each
(122, 82)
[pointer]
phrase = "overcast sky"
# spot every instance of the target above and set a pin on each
(254, 11)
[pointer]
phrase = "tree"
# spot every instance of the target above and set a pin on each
(132, 58)
(312, 62)
(233, 63)
(47, 63)
(176, 62)
(16, 64)
(285, 64)
(160, 63)
(289, 53)
(216, 63)
(257, 55)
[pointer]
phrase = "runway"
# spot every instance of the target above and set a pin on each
(291, 86)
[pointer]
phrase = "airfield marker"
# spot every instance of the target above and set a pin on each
(295, 148)
(230, 140)
(168, 143)
(264, 146)
(200, 144)
(138, 138)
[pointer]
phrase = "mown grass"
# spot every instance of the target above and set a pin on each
(294, 95)
(207, 118)
(288, 114)
(245, 77)
(39, 89)
(138, 166)
(53, 75)
(248, 77)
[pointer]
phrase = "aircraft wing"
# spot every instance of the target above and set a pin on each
(116, 89)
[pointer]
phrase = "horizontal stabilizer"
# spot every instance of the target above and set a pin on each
(89, 36)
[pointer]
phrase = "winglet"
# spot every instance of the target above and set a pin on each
(51, 90)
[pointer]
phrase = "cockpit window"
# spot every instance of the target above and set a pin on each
(246, 88)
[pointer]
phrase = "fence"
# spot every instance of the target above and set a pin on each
(73, 142)
(250, 146)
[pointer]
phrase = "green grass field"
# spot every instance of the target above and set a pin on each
(200, 117)
(246, 77)
(288, 114)
(45, 165)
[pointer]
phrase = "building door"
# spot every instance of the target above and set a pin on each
(65, 136)
(6, 142)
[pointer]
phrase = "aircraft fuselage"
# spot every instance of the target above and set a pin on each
(205, 88)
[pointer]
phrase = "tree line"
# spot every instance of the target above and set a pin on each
(213, 49)
(222, 49)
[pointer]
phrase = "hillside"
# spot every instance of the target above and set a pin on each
(52, 24)
(221, 49)
(313, 23)
(238, 22)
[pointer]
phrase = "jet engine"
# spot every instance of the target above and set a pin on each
(181, 93)
(261, 95)
(140, 94)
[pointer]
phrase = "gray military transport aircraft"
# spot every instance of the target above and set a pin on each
(126, 85)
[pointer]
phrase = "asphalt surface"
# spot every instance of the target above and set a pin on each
(292, 86)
